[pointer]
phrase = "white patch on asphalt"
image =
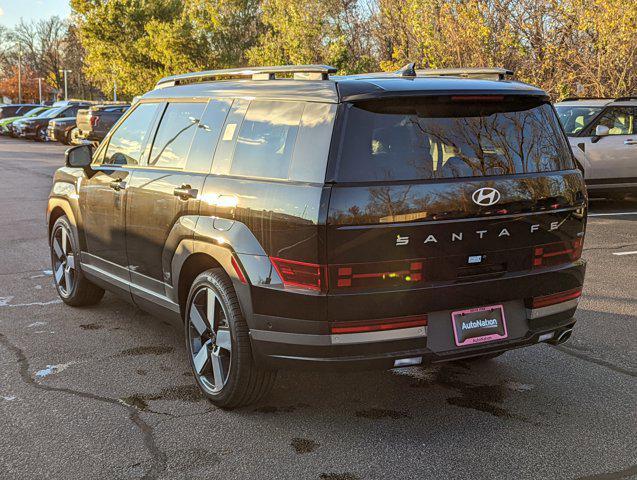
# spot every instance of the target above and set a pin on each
(9, 398)
(519, 387)
(45, 273)
(36, 324)
(625, 253)
(51, 369)
(4, 302)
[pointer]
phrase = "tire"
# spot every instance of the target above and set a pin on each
(72, 286)
(40, 135)
(219, 347)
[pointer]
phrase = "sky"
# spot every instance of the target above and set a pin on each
(12, 10)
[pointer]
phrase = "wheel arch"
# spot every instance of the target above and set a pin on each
(56, 209)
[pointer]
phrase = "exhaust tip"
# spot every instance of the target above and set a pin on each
(562, 337)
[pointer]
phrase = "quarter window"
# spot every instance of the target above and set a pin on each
(127, 142)
(174, 135)
(620, 121)
(266, 139)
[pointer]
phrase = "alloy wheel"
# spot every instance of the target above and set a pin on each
(210, 340)
(64, 270)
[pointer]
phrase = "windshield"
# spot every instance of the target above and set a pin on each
(51, 113)
(35, 111)
(412, 139)
(575, 118)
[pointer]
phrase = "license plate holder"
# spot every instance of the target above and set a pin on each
(478, 325)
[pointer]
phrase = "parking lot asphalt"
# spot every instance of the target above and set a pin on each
(106, 392)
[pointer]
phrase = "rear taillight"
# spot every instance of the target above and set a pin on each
(379, 274)
(557, 253)
(361, 326)
(94, 120)
(547, 300)
(300, 274)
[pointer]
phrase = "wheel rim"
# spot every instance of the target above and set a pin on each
(64, 271)
(210, 340)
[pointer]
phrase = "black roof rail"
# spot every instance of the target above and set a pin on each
(489, 73)
(300, 72)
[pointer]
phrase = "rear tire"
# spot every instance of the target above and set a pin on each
(40, 135)
(72, 286)
(218, 344)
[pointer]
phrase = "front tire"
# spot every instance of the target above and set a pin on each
(218, 344)
(72, 286)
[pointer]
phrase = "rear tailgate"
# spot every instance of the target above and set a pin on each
(401, 246)
(83, 120)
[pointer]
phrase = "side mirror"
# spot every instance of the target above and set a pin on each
(79, 156)
(601, 130)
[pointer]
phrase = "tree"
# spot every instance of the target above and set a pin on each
(30, 91)
(312, 31)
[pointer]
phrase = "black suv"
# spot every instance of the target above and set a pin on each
(292, 217)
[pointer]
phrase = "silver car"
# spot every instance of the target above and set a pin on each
(603, 138)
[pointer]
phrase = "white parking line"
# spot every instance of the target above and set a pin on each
(625, 253)
(611, 214)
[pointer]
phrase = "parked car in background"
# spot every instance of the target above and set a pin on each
(35, 127)
(16, 109)
(6, 123)
(94, 122)
(59, 130)
(603, 136)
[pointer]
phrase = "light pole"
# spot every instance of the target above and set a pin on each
(114, 90)
(19, 73)
(66, 91)
(40, 89)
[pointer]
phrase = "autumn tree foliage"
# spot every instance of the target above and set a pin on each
(30, 89)
(586, 47)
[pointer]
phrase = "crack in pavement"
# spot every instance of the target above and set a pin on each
(587, 358)
(158, 458)
(628, 472)
(611, 247)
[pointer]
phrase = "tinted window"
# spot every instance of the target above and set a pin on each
(127, 142)
(620, 121)
(411, 139)
(207, 136)
(266, 139)
(313, 143)
(174, 135)
(576, 118)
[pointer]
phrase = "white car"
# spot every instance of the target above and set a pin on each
(603, 136)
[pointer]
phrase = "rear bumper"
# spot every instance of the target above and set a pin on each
(293, 343)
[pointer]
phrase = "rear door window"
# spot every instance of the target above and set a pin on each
(174, 135)
(207, 136)
(127, 143)
(266, 139)
(423, 139)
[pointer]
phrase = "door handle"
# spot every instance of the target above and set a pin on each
(630, 141)
(117, 185)
(185, 192)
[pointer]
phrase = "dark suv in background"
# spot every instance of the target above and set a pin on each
(292, 217)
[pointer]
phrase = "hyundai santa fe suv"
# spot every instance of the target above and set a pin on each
(294, 218)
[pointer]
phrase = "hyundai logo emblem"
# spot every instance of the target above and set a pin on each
(486, 196)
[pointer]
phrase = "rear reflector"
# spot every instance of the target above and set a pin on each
(546, 300)
(380, 274)
(299, 274)
(557, 253)
(381, 324)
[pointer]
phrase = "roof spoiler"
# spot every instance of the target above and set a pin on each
(574, 99)
(299, 72)
(487, 73)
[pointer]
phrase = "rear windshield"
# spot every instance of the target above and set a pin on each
(413, 139)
